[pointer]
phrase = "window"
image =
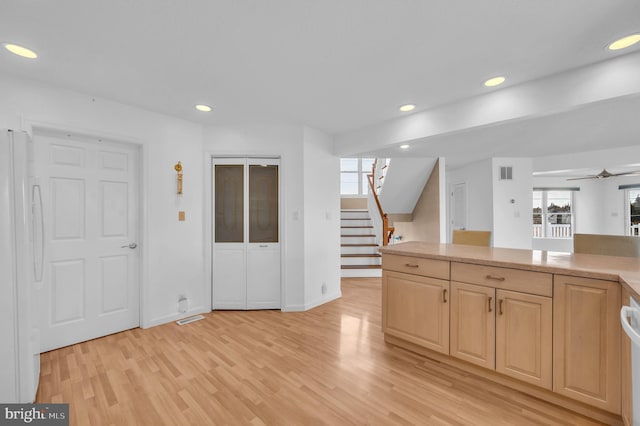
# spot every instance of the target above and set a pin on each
(633, 224)
(552, 214)
(353, 176)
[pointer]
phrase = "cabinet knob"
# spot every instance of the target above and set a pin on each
(500, 305)
(490, 299)
(444, 295)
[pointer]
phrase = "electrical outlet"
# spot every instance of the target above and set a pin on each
(324, 288)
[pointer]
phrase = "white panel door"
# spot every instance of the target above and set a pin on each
(90, 206)
(459, 206)
(246, 228)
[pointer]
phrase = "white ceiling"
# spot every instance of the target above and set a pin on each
(335, 65)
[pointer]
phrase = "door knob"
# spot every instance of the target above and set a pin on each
(131, 246)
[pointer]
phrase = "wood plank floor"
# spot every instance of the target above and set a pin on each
(327, 366)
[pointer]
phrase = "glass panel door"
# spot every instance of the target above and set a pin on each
(263, 203)
(229, 203)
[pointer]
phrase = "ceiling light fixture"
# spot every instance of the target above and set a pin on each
(407, 108)
(16, 49)
(404, 146)
(203, 107)
(494, 81)
(625, 42)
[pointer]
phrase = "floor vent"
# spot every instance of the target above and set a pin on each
(190, 319)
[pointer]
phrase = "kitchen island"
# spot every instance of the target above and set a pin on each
(544, 323)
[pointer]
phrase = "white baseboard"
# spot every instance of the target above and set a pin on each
(326, 299)
(301, 308)
(175, 317)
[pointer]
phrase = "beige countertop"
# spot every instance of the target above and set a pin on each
(626, 270)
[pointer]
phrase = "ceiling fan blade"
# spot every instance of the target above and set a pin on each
(637, 173)
(586, 177)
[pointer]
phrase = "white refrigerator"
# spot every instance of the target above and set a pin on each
(632, 328)
(21, 262)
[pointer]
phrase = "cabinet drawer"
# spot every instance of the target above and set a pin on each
(540, 283)
(416, 265)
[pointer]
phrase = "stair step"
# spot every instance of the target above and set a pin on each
(361, 267)
(362, 255)
(356, 235)
(371, 227)
(356, 218)
(358, 245)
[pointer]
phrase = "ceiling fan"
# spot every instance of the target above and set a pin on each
(605, 174)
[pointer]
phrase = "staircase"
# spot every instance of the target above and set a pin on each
(359, 251)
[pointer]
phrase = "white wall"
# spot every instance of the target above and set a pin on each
(321, 219)
(512, 204)
(478, 177)
(176, 260)
(489, 206)
(403, 183)
(172, 251)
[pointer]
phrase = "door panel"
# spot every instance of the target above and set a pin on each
(90, 204)
(229, 203)
(473, 323)
(229, 278)
(459, 201)
(263, 203)
(586, 348)
(263, 277)
(416, 309)
(524, 337)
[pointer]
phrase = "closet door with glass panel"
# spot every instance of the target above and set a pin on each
(246, 253)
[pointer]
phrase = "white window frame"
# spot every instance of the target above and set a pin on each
(361, 178)
(545, 215)
(630, 230)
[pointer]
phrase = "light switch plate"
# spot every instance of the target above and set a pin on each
(181, 216)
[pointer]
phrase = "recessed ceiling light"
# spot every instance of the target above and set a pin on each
(495, 81)
(203, 107)
(407, 108)
(625, 42)
(404, 146)
(20, 50)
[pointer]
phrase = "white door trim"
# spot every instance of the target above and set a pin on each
(208, 216)
(30, 125)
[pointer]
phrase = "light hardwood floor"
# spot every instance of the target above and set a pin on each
(328, 366)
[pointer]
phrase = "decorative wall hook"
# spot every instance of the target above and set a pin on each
(178, 168)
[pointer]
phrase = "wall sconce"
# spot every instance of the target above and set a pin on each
(178, 168)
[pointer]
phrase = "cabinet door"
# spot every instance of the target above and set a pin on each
(524, 337)
(586, 341)
(416, 309)
(473, 323)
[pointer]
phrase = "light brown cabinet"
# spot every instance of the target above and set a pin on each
(508, 331)
(558, 335)
(524, 336)
(416, 309)
(586, 341)
(473, 324)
